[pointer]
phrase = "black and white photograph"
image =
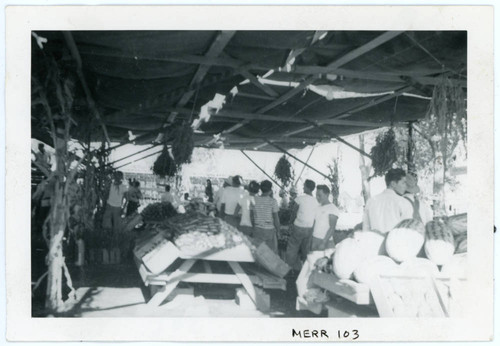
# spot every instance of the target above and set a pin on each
(279, 175)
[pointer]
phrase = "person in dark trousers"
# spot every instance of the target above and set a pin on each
(209, 192)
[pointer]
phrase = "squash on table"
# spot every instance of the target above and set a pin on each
(348, 255)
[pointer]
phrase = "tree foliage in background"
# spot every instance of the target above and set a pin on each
(438, 137)
(384, 153)
(334, 177)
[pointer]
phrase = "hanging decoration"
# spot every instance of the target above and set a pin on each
(384, 153)
(165, 165)
(183, 144)
(283, 171)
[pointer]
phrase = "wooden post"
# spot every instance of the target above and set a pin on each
(365, 170)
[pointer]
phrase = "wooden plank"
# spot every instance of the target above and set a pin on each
(379, 297)
(173, 281)
(236, 64)
(240, 253)
(212, 278)
(244, 279)
(68, 37)
(379, 40)
(284, 119)
(265, 88)
(348, 289)
(255, 96)
(215, 49)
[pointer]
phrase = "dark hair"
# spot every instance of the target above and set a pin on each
(310, 184)
(118, 175)
(394, 174)
(236, 180)
(137, 183)
(186, 195)
(167, 188)
(266, 186)
(324, 188)
(41, 145)
(253, 187)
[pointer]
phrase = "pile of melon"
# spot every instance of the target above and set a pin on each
(410, 246)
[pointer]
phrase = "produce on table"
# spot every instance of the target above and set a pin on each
(371, 243)
(457, 224)
(456, 267)
(157, 212)
(374, 266)
(439, 243)
(347, 257)
(406, 240)
(419, 266)
(195, 233)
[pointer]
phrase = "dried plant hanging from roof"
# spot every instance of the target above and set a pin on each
(183, 144)
(283, 171)
(384, 153)
(165, 164)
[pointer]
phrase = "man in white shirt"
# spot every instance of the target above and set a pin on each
(386, 210)
(220, 191)
(304, 210)
(229, 201)
(244, 205)
(325, 220)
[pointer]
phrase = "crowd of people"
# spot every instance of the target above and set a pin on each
(253, 210)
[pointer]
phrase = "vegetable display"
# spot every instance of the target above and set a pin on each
(406, 240)
(158, 212)
(439, 243)
(384, 153)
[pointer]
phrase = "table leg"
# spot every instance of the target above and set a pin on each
(173, 281)
(244, 279)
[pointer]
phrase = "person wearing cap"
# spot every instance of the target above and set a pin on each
(303, 212)
(229, 200)
(421, 211)
(264, 216)
(112, 215)
(387, 209)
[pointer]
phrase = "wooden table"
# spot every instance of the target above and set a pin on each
(163, 284)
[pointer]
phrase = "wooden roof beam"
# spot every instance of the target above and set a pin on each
(379, 40)
(68, 37)
(215, 50)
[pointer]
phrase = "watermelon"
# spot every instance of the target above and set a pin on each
(456, 266)
(439, 242)
(406, 240)
(419, 266)
(457, 224)
(371, 243)
(347, 257)
(372, 266)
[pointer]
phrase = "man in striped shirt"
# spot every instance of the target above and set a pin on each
(264, 215)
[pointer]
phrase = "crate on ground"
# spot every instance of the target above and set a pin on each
(271, 261)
